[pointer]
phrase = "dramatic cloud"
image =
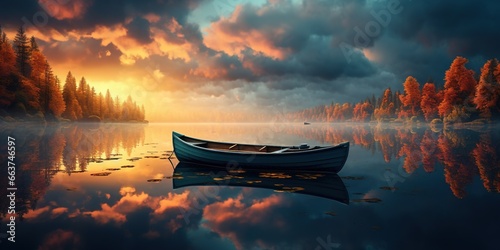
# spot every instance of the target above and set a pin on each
(300, 53)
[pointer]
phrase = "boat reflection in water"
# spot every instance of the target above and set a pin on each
(322, 184)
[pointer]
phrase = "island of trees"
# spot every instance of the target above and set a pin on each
(464, 99)
(29, 91)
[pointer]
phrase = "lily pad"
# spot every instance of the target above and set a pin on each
(368, 200)
(388, 188)
(154, 180)
(353, 178)
(101, 174)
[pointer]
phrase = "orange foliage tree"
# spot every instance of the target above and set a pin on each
(386, 108)
(487, 91)
(7, 66)
(362, 111)
(430, 101)
(411, 97)
(459, 88)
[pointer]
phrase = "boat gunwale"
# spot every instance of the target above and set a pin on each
(243, 152)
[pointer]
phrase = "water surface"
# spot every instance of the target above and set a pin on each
(111, 186)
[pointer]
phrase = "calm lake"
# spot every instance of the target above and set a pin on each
(111, 186)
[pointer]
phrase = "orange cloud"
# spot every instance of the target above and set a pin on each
(106, 214)
(219, 214)
(224, 35)
(58, 211)
(132, 201)
(173, 200)
(65, 9)
(32, 214)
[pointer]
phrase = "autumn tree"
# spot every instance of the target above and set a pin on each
(487, 91)
(430, 101)
(23, 52)
(459, 90)
(362, 111)
(386, 108)
(7, 55)
(410, 100)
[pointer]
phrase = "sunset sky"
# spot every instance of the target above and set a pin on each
(194, 59)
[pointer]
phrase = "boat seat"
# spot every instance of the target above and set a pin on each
(280, 151)
(199, 144)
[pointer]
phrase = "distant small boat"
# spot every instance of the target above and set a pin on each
(321, 184)
(303, 157)
(307, 123)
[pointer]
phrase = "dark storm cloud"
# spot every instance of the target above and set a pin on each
(425, 38)
(104, 13)
(467, 27)
(139, 30)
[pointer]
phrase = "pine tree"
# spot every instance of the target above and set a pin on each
(73, 110)
(33, 44)
(22, 49)
(56, 100)
(109, 110)
(82, 96)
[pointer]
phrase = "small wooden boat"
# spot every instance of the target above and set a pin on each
(307, 123)
(321, 184)
(303, 157)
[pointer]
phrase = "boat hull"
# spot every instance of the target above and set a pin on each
(328, 158)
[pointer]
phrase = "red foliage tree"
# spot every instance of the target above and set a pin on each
(459, 87)
(487, 91)
(386, 108)
(411, 98)
(430, 101)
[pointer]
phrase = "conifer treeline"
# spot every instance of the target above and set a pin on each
(463, 98)
(28, 86)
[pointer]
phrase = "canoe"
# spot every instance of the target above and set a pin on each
(303, 157)
(321, 184)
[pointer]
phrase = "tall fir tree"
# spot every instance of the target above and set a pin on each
(23, 52)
